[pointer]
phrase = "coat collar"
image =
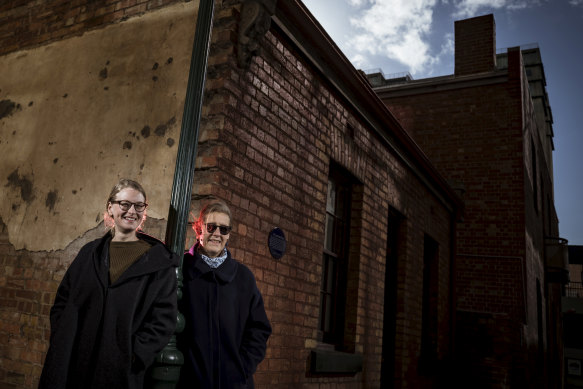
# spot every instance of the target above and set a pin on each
(158, 257)
(195, 267)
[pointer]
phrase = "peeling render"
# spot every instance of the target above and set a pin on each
(77, 115)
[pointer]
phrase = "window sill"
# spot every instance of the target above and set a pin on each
(334, 362)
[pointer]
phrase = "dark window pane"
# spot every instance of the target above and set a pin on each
(331, 200)
(330, 277)
(329, 232)
(334, 261)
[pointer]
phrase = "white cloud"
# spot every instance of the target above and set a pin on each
(397, 29)
(576, 3)
(356, 3)
(469, 8)
(359, 61)
(448, 47)
(400, 30)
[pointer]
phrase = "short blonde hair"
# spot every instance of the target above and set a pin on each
(121, 185)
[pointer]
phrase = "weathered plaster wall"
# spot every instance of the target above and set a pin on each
(77, 115)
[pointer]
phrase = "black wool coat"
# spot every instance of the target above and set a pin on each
(226, 331)
(105, 336)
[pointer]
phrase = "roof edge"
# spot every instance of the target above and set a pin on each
(301, 27)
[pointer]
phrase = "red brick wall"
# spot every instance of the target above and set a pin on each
(474, 136)
(490, 339)
(267, 138)
(475, 45)
(276, 127)
(26, 23)
(478, 134)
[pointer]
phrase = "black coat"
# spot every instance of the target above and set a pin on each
(226, 326)
(105, 336)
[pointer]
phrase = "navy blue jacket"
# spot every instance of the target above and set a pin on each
(226, 331)
(106, 335)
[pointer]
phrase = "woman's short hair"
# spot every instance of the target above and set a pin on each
(121, 185)
(214, 206)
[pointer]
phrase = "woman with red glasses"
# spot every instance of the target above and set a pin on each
(115, 308)
(226, 330)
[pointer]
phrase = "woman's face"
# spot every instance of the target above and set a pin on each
(126, 222)
(213, 243)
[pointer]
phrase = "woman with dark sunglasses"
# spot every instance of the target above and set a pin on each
(226, 331)
(115, 308)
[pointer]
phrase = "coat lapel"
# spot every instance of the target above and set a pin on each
(101, 260)
(195, 267)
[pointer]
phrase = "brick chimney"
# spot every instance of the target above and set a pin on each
(475, 45)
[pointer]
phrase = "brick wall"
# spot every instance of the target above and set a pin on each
(26, 23)
(475, 45)
(277, 126)
(489, 355)
(474, 136)
(478, 135)
(268, 136)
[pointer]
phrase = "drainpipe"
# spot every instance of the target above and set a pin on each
(166, 370)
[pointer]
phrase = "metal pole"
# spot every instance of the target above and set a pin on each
(166, 370)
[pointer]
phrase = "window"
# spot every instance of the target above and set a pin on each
(336, 352)
(534, 175)
(429, 307)
(395, 239)
(335, 259)
(540, 324)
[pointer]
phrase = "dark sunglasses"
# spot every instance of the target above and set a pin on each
(211, 227)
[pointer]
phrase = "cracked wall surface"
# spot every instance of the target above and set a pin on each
(77, 115)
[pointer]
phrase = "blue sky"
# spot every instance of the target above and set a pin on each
(416, 36)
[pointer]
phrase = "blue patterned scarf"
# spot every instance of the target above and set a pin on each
(215, 262)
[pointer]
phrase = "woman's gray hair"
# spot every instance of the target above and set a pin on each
(214, 206)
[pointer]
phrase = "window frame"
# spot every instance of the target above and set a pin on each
(336, 251)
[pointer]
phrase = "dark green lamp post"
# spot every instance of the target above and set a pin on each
(166, 370)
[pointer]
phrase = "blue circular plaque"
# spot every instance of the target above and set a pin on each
(276, 243)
